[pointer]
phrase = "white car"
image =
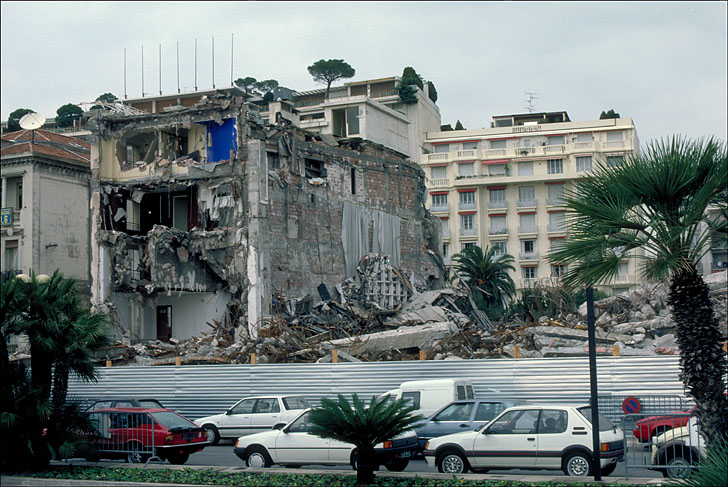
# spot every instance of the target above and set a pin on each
(676, 452)
(293, 446)
(530, 437)
(252, 415)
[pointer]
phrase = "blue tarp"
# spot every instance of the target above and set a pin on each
(221, 139)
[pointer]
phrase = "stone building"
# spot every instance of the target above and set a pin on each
(202, 214)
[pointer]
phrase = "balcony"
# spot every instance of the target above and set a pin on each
(466, 154)
(527, 229)
(467, 232)
(467, 206)
(621, 278)
(526, 203)
(528, 255)
(498, 231)
(554, 149)
(614, 145)
(440, 183)
(561, 227)
(439, 208)
(439, 156)
(584, 146)
(497, 204)
(494, 153)
(556, 201)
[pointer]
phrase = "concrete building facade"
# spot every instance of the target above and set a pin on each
(503, 186)
(203, 213)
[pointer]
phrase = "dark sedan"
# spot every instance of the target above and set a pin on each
(459, 416)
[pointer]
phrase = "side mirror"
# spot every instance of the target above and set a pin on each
(229, 412)
(279, 426)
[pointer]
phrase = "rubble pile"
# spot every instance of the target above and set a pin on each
(379, 315)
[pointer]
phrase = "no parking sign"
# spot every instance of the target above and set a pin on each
(631, 405)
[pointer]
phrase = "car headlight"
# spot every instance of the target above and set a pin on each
(387, 444)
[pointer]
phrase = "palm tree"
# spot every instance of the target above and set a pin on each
(487, 273)
(363, 426)
(656, 203)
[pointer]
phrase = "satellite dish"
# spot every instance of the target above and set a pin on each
(32, 121)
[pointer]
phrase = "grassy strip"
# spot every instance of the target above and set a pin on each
(244, 479)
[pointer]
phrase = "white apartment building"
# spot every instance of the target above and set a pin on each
(503, 187)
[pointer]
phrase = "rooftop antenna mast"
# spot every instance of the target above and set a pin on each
(178, 91)
(160, 69)
(531, 97)
(142, 71)
(232, 46)
(213, 62)
(195, 64)
(125, 73)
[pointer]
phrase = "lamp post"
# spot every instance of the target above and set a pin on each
(596, 446)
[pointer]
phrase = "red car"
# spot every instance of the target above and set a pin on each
(138, 434)
(646, 428)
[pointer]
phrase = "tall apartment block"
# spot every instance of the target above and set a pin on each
(503, 186)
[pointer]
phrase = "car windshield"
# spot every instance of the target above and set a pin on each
(604, 423)
(150, 403)
(297, 402)
(172, 420)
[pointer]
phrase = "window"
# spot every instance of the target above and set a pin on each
(470, 145)
(614, 161)
(497, 198)
(497, 170)
(497, 144)
(295, 402)
(315, 169)
(439, 200)
(445, 250)
(558, 270)
(526, 196)
(467, 245)
(466, 222)
(460, 392)
(525, 168)
(519, 422)
(440, 148)
(557, 244)
(300, 425)
(583, 163)
(498, 224)
(528, 272)
(438, 172)
(528, 246)
(555, 140)
(557, 221)
(467, 199)
(445, 227)
(585, 137)
(614, 136)
(455, 412)
(10, 262)
(267, 406)
(623, 270)
(552, 421)
(555, 194)
(466, 170)
(411, 399)
(243, 407)
(528, 223)
(488, 410)
(352, 120)
(555, 166)
(499, 248)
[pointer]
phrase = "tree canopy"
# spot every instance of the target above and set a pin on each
(15, 116)
(459, 126)
(247, 83)
(487, 275)
(610, 114)
(327, 71)
(107, 97)
(66, 114)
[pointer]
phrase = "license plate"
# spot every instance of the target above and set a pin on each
(405, 454)
(188, 436)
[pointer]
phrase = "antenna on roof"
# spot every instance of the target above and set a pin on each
(125, 73)
(531, 97)
(178, 67)
(32, 121)
(160, 69)
(213, 62)
(142, 71)
(195, 64)
(232, 46)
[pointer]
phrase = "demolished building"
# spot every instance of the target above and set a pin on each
(202, 215)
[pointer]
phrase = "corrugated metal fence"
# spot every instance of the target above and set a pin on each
(201, 390)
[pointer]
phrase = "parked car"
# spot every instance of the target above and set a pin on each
(458, 416)
(140, 433)
(676, 451)
(124, 403)
(430, 395)
(656, 425)
(252, 415)
(292, 446)
(530, 437)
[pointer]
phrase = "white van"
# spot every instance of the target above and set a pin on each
(431, 395)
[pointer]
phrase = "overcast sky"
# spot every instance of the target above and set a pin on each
(661, 63)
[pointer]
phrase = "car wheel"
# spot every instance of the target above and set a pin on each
(213, 435)
(134, 453)
(397, 465)
(354, 461)
(258, 457)
(578, 465)
(677, 468)
(178, 458)
(452, 462)
(609, 469)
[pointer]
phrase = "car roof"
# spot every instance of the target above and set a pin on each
(134, 410)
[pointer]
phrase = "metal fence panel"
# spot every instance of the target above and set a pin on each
(127, 435)
(202, 390)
